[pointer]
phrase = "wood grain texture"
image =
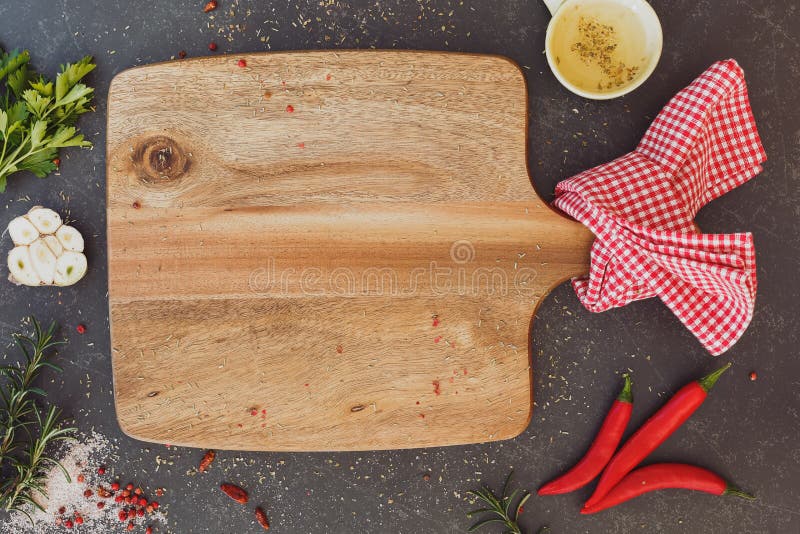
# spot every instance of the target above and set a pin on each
(326, 250)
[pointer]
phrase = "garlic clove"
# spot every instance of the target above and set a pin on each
(21, 268)
(70, 238)
(43, 261)
(22, 232)
(45, 220)
(53, 244)
(70, 267)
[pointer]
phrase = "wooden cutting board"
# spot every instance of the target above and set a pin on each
(326, 250)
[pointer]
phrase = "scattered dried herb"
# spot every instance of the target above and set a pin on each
(597, 45)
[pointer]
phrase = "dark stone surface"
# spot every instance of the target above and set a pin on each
(747, 431)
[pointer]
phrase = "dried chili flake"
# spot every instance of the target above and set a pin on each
(437, 339)
(290, 109)
(81, 478)
(205, 462)
(182, 54)
(242, 63)
(435, 321)
(436, 387)
(211, 5)
(234, 492)
(261, 517)
(212, 46)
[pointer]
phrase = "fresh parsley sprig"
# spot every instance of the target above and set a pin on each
(26, 433)
(38, 116)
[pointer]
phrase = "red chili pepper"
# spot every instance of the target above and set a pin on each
(654, 431)
(664, 476)
(603, 447)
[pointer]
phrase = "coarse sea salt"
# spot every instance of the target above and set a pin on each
(82, 456)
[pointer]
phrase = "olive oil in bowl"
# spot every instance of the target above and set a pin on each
(602, 48)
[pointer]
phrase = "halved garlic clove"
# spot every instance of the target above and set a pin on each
(70, 267)
(54, 245)
(43, 260)
(70, 238)
(45, 220)
(22, 232)
(48, 252)
(21, 268)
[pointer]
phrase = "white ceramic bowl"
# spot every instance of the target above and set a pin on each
(653, 42)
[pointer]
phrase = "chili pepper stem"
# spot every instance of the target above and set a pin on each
(736, 492)
(626, 395)
(708, 381)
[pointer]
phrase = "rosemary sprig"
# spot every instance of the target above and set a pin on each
(24, 433)
(499, 510)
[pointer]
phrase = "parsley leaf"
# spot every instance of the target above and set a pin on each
(37, 116)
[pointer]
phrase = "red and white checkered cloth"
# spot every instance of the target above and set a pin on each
(641, 209)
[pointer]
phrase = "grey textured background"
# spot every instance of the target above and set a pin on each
(747, 431)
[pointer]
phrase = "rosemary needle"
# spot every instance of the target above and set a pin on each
(499, 510)
(25, 433)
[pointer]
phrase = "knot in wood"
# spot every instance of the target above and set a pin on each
(160, 159)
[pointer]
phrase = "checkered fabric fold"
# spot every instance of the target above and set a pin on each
(641, 209)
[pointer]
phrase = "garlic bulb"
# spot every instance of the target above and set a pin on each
(47, 252)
